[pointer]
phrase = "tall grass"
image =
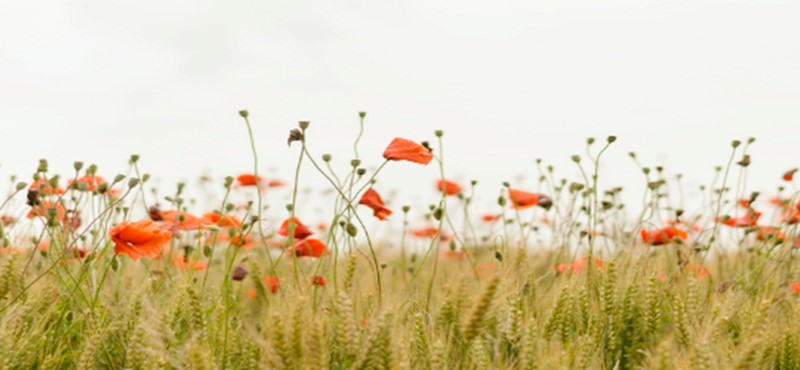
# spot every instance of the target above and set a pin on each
(599, 295)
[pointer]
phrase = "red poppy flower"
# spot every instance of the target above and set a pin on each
(522, 199)
(428, 232)
(748, 220)
(237, 240)
(214, 218)
(663, 236)
(92, 182)
(308, 248)
(300, 230)
(276, 183)
(431, 232)
(449, 187)
(318, 281)
(453, 255)
(697, 269)
(7, 220)
(795, 287)
(142, 238)
(372, 200)
(42, 209)
(43, 186)
(769, 232)
(188, 263)
(249, 179)
(489, 217)
(183, 220)
(406, 150)
(273, 283)
(789, 175)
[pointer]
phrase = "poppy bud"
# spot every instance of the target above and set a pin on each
(42, 165)
(21, 185)
(294, 135)
(501, 201)
(575, 186)
(228, 182)
(239, 273)
(362, 114)
(244, 113)
(303, 125)
(352, 230)
(506, 184)
(498, 256)
(646, 170)
(326, 157)
(544, 202)
(473, 182)
(427, 146)
(77, 165)
(119, 178)
(736, 143)
(632, 155)
(92, 169)
(82, 186)
(132, 182)
(355, 162)
(155, 213)
(406, 209)
(100, 189)
(590, 141)
(611, 139)
(745, 161)
(33, 198)
(361, 171)
(438, 133)
(576, 158)
(289, 207)
(659, 169)
(437, 214)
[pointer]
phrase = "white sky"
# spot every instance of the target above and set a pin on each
(676, 81)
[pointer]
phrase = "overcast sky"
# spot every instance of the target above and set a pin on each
(507, 81)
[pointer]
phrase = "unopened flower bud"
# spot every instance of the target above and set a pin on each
(244, 113)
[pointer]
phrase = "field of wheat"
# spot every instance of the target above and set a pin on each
(112, 273)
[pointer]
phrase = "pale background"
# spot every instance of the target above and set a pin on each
(508, 82)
